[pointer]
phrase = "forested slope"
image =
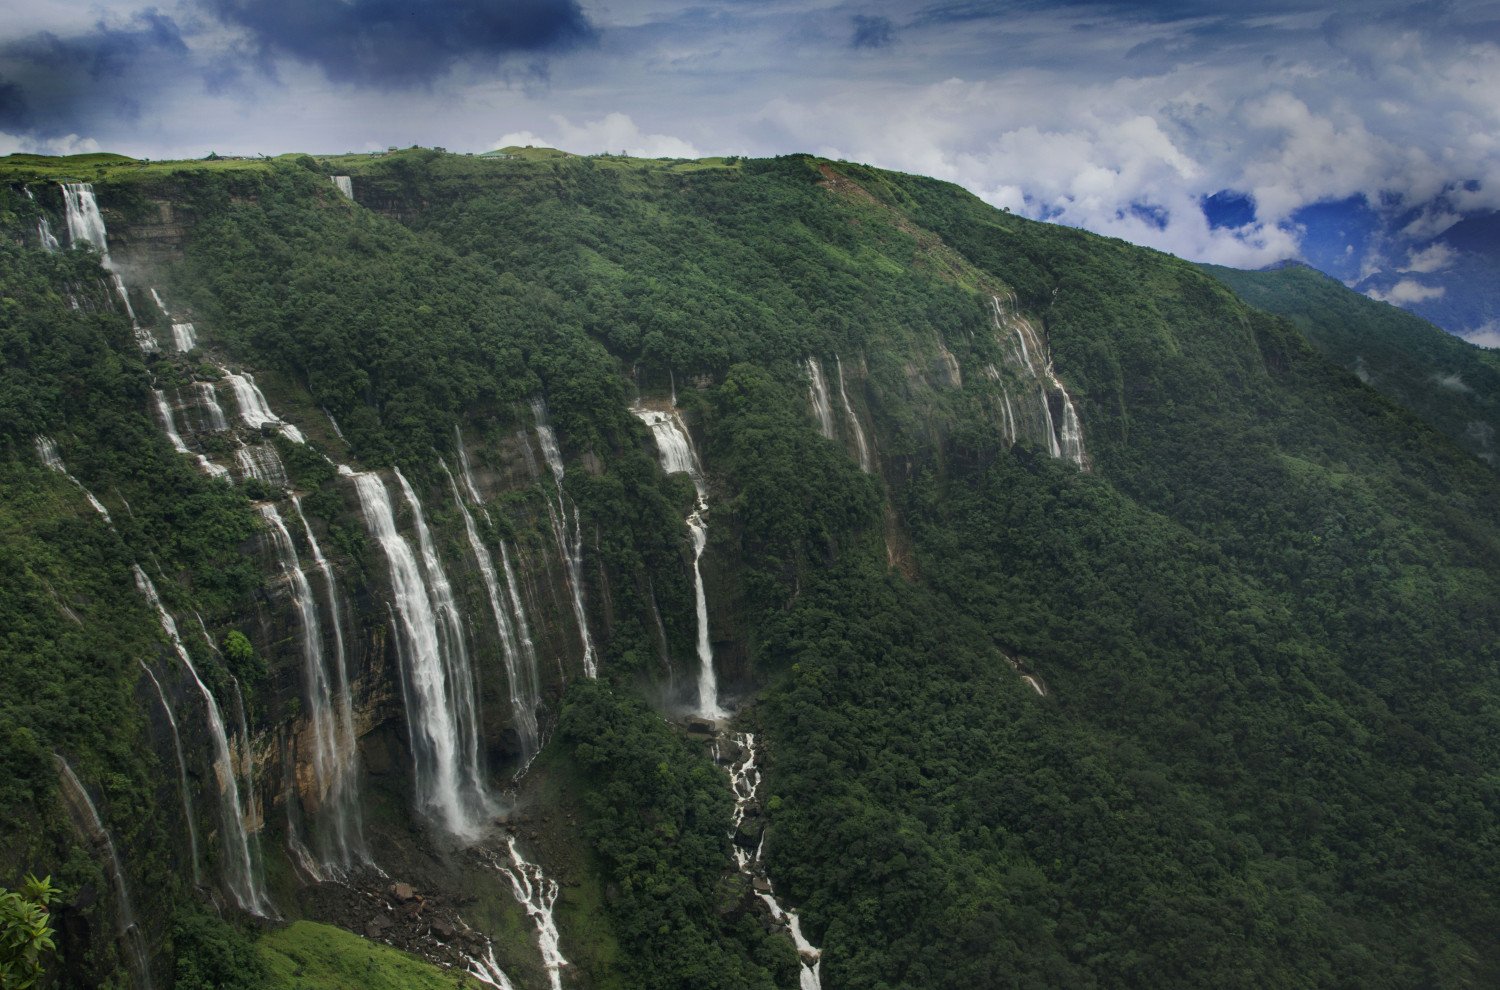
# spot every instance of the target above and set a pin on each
(1091, 627)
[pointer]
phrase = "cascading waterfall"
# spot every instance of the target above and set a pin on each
(261, 462)
(209, 399)
(344, 185)
(538, 895)
(341, 798)
(86, 818)
(46, 449)
(156, 298)
(169, 425)
(675, 449)
(744, 779)
(465, 468)
(86, 226)
(1065, 440)
(523, 697)
(523, 626)
(182, 777)
(242, 876)
(330, 723)
(43, 226)
(569, 538)
(183, 337)
(253, 407)
(487, 971)
(817, 388)
(443, 731)
(866, 463)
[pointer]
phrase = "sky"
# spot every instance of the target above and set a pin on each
(1351, 136)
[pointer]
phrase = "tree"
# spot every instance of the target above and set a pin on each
(25, 935)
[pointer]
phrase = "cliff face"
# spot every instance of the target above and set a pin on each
(940, 501)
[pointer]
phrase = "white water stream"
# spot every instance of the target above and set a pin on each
(47, 451)
(86, 817)
(861, 446)
(675, 449)
(817, 389)
(437, 680)
(182, 777)
(569, 537)
(242, 875)
(745, 778)
(523, 696)
(326, 703)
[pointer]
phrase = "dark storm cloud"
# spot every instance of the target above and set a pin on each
(393, 44)
(872, 32)
(51, 83)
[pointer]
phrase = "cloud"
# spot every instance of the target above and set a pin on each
(613, 133)
(872, 32)
(1453, 382)
(1433, 258)
(1406, 292)
(51, 85)
(391, 45)
(1486, 335)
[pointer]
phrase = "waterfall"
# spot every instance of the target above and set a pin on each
(46, 449)
(46, 237)
(261, 462)
(170, 426)
(538, 895)
(532, 676)
(86, 818)
(744, 780)
(344, 184)
(330, 723)
(342, 795)
(487, 971)
(156, 298)
(523, 704)
(569, 539)
(463, 464)
(165, 412)
(675, 449)
(241, 876)
(210, 401)
(43, 226)
(442, 730)
(85, 225)
(182, 777)
(863, 448)
(1027, 351)
(183, 337)
(817, 388)
(253, 408)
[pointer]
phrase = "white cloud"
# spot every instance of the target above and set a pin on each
(1407, 291)
(72, 144)
(613, 133)
(1434, 258)
(1487, 335)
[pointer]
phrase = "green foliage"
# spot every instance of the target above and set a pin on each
(659, 820)
(25, 932)
(1447, 381)
(214, 955)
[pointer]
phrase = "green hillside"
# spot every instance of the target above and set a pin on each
(1448, 382)
(1103, 629)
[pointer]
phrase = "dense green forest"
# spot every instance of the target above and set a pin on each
(1444, 379)
(1222, 709)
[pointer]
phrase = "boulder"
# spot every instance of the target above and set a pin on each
(403, 892)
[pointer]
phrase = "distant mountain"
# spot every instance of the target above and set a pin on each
(1448, 382)
(1452, 279)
